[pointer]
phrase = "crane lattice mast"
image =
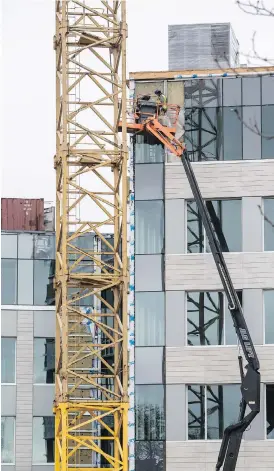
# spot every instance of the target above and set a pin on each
(91, 400)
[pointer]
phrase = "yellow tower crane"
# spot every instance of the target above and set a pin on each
(91, 401)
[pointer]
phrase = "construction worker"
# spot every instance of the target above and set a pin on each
(161, 101)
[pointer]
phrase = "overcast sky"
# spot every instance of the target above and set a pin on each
(28, 65)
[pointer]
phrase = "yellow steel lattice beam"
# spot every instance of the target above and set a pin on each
(91, 401)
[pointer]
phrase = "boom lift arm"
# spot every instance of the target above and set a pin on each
(250, 380)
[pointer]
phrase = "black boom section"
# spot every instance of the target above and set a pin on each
(250, 381)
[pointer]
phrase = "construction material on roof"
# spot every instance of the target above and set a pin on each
(212, 45)
(196, 73)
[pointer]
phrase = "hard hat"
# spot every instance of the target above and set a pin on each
(158, 92)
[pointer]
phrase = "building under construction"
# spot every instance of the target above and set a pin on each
(146, 353)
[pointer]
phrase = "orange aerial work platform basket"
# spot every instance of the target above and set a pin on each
(141, 111)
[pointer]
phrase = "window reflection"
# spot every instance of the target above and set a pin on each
(270, 411)
(148, 149)
(149, 456)
(7, 440)
(195, 229)
(203, 93)
(43, 282)
(205, 318)
(226, 214)
(269, 316)
(222, 408)
(150, 318)
(268, 215)
(214, 405)
(196, 412)
(268, 132)
(149, 412)
(44, 360)
(203, 133)
(43, 440)
(232, 133)
(9, 281)
(149, 227)
(230, 333)
(44, 246)
(8, 360)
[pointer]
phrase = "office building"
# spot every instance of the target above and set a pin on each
(186, 355)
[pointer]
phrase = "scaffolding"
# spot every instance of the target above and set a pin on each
(91, 399)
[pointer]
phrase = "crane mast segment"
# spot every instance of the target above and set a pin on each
(91, 400)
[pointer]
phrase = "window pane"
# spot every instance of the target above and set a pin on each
(7, 440)
(228, 213)
(232, 92)
(196, 412)
(204, 133)
(44, 360)
(149, 271)
(43, 282)
(205, 318)
(150, 318)
(195, 230)
(149, 227)
(231, 220)
(251, 90)
(230, 333)
(25, 281)
(9, 281)
(252, 132)
(8, 246)
(43, 440)
(270, 411)
(269, 315)
(149, 456)
(268, 224)
(148, 149)
(149, 182)
(44, 246)
(149, 365)
(222, 408)
(268, 90)
(84, 242)
(268, 132)
(203, 93)
(149, 412)
(25, 246)
(232, 133)
(7, 360)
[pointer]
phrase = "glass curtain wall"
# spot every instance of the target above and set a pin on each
(149, 304)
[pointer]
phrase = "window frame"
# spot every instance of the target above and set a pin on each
(190, 200)
(15, 361)
(34, 382)
(14, 439)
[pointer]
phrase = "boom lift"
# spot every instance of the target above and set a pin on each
(148, 118)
